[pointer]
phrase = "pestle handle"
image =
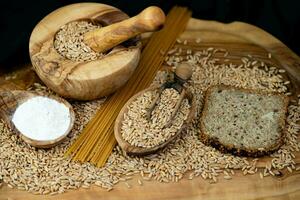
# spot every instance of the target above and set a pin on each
(103, 39)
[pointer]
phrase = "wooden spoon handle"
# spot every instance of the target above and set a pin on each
(178, 104)
(154, 103)
(103, 39)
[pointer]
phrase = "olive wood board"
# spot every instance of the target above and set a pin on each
(239, 39)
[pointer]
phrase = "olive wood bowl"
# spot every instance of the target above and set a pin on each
(82, 80)
(10, 100)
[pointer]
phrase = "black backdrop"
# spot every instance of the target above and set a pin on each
(279, 17)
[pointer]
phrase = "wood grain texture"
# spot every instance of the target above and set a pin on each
(239, 39)
(81, 80)
(240, 187)
(19, 78)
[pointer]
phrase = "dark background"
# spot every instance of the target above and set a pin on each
(279, 17)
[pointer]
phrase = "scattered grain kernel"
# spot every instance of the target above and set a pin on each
(179, 41)
(183, 153)
(140, 182)
(261, 175)
(127, 185)
(227, 177)
(281, 71)
(269, 55)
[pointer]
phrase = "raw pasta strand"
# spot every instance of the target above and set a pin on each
(109, 117)
(96, 137)
(98, 156)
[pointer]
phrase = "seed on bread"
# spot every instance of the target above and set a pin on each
(243, 122)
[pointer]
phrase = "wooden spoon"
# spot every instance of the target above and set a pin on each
(91, 79)
(182, 74)
(10, 100)
(134, 150)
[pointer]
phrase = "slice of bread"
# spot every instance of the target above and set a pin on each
(243, 122)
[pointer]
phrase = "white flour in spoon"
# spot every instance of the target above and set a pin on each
(41, 118)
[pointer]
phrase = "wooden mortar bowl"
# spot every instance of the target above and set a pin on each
(82, 80)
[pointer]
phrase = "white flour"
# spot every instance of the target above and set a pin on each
(42, 118)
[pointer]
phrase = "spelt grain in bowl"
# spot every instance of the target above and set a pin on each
(139, 131)
(68, 41)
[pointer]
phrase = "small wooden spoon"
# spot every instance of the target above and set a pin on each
(134, 150)
(10, 100)
(182, 74)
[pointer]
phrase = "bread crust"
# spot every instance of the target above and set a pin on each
(214, 142)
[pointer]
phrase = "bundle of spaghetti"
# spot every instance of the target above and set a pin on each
(97, 140)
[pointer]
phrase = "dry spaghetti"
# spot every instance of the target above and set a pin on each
(97, 141)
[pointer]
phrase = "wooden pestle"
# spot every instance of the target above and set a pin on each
(103, 39)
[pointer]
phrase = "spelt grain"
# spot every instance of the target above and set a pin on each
(186, 153)
(69, 43)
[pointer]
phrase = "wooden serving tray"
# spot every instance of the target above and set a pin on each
(239, 39)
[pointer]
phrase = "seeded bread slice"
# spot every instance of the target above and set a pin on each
(243, 122)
